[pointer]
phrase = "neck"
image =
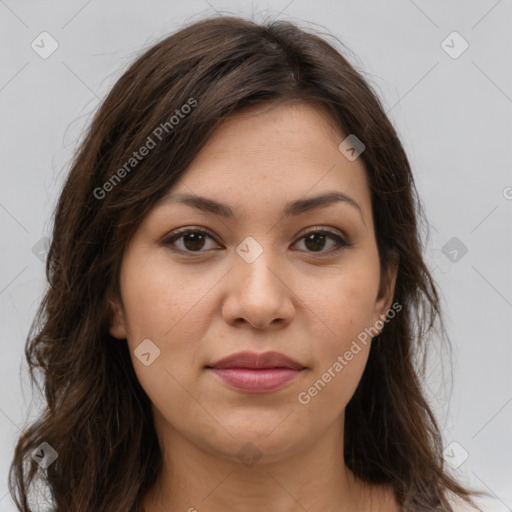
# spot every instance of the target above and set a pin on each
(313, 479)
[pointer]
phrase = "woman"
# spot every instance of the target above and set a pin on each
(237, 293)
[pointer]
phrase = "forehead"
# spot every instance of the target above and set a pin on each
(275, 153)
(275, 133)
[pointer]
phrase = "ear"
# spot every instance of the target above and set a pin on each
(386, 289)
(117, 319)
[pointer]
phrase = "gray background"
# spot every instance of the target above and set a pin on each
(454, 116)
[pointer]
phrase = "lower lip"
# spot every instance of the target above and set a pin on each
(256, 381)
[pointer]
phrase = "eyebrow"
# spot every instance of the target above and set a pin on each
(291, 209)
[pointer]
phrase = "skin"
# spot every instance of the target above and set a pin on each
(296, 298)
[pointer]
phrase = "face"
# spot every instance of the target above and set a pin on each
(268, 270)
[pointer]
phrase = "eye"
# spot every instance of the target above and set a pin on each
(194, 240)
(315, 241)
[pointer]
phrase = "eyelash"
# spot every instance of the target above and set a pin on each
(342, 244)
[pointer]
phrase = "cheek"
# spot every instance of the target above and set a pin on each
(345, 303)
(160, 299)
(170, 307)
(346, 306)
(164, 306)
(340, 359)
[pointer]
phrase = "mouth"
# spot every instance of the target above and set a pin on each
(256, 373)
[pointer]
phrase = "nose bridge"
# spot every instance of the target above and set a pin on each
(258, 294)
(255, 261)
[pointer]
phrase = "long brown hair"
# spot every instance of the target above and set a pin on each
(97, 417)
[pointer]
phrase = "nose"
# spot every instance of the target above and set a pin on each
(259, 294)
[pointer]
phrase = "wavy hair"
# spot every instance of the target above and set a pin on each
(96, 415)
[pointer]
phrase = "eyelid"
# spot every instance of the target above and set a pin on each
(323, 229)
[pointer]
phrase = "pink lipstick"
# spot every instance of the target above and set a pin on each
(256, 373)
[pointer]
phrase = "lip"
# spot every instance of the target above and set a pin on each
(253, 360)
(256, 373)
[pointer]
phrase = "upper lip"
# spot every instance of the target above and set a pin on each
(255, 360)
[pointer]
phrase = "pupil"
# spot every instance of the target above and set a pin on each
(315, 246)
(196, 239)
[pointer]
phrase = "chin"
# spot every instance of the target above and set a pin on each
(251, 446)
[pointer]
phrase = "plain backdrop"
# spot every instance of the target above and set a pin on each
(443, 72)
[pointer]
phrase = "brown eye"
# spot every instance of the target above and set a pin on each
(192, 240)
(315, 241)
